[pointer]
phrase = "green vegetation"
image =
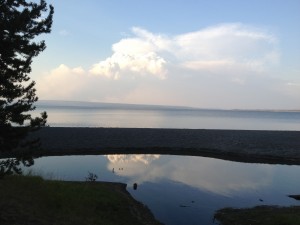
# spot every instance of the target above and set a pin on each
(32, 200)
(260, 215)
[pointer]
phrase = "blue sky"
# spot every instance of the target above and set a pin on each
(209, 54)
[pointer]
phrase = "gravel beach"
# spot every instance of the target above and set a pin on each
(281, 147)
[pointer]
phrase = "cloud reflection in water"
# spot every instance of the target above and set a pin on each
(213, 175)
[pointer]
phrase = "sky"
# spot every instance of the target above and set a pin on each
(229, 54)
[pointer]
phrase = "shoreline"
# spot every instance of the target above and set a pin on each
(274, 147)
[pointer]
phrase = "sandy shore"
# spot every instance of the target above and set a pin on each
(239, 145)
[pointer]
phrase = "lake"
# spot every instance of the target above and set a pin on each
(179, 190)
(86, 114)
(182, 190)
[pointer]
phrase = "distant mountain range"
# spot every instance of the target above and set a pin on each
(69, 104)
(102, 105)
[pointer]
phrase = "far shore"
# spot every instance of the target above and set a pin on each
(274, 147)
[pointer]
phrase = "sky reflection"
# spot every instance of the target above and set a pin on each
(159, 117)
(213, 175)
(166, 183)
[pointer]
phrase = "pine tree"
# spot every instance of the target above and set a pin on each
(21, 22)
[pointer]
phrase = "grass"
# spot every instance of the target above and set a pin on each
(32, 200)
(260, 215)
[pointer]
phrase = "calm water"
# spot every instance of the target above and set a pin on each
(179, 190)
(182, 190)
(68, 114)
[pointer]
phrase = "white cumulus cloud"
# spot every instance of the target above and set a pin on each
(136, 56)
(61, 83)
(226, 46)
(137, 64)
(223, 66)
(233, 45)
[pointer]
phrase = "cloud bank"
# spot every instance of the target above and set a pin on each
(224, 66)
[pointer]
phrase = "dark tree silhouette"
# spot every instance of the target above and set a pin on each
(21, 22)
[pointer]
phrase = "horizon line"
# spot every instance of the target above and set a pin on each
(166, 106)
